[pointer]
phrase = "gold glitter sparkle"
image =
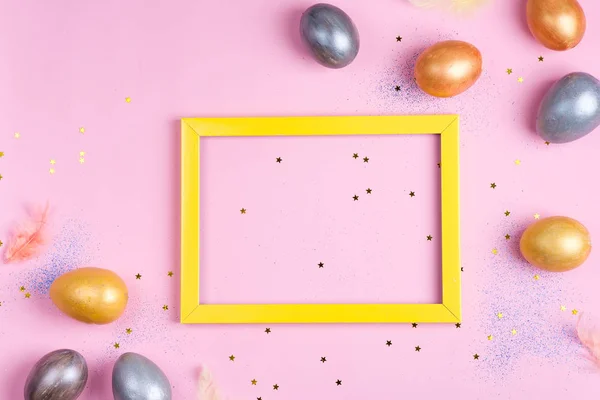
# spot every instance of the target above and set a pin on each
(128, 331)
(520, 79)
(494, 251)
(127, 99)
(490, 337)
(170, 273)
(500, 315)
(517, 162)
(509, 71)
(82, 154)
(254, 382)
(27, 295)
(536, 216)
(536, 277)
(82, 130)
(116, 345)
(514, 332)
(53, 161)
(243, 211)
(165, 307)
(52, 171)
(540, 58)
(232, 358)
(563, 308)
(22, 288)
(17, 135)
(574, 312)
(507, 213)
(81, 160)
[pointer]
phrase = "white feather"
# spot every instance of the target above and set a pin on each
(207, 390)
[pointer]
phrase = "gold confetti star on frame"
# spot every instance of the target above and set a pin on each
(500, 315)
(128, 331)
(563, 308)
(475, 356)
(170, 274)
(27, 295)
(52, 161)
(517, 162)
(507, 213)
(458, 325)
(514, 332)
(275, 387)
(116, 345)
(536, 216)
(22, 288)
(520, 79)
(127, 99)
(536, 277)
(165, 307)
(493, 185)
(254, 382)
(540, 59)
(232, 358)
(574, 312)
(509, 71)
(243, 211)
(494, 251)
(414, 324)
(82, 130)
(52, 171)
(17, 135)
(490, 337)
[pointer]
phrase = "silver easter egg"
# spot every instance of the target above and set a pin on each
(330, 35)
(570, 110)
(61, 374)
(135, 377)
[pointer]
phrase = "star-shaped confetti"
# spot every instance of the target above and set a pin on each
(127, 99)
(490, 337)
(412, 194)
(476, 356)
(82, 130)
(507, 213)
(536, 216)
(254, 382)
(1, 243)
(338, 382)
(128, 331)
(514, 332)
(275, 387)
(232, 358)
(388, 343)
(170, 274)
(321, 265)
(278, 159)
(509, 71)
(323, 359)
(0, 177)
(462, 269)
(1, 154)
(398, 38)
(355, 156)
(366, 159)
(22, 288)
(355, 198)
(268, 330)
(27, 295)
(418, 348)
(494, 251)
(138, 276)
(507, 236)
(429, 237)
(52, 171)
(517, 162)
(17, 135)
(520, 79)
(563, 308)
(165, 307)
(493, 185)
(540, 58)
(82, 154)
(547, 143)
(458, 325)
(500, 315)
(574, 312)
(414, 324)
(259, 398)
(81, 160)
(536, 277)
(397, 88)
(116, 345)
(369, 190)
(243, 211)
(53, 161)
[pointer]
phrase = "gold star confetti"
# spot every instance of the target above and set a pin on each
(493, 185)
(17, 135)
(128, 331)
(243, 211)
(509, 71)
(476, 356)
(398, 38)
(1, 154)
(82, 154)
(254, 382)
(388, 343)
(355, 156)
(517, 162)
(268, 330)
(170, 273)
(275, 387)
(232, 358)
(116, 345)
(547, 143)
(563, 308)
(366, 159)
(321, 265)
(338, 382)
(165, 307)
(0, 177)
(52, 171)
(507, 213)
(494, 251)
(490, 337)
(520, 79)
(82, 130)
(22, 288)
(458, 324)
(429, 237)
(53, 161)
(1, 243)
(412, 194)
(397, 88)
(355, 197)
(369, 190)
(514, 332)
(279, 160)
(127, 99)
(81, 160)
(323, 359)
(540, 58)
(500, 315)
(418, 348)
(414, 324)
(574, 312)
(507, 236)
(536, 277)
(536, 216)
(27, 295)
(138, 276)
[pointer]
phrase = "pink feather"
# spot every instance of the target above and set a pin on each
(588, 332)
(28, 238)
(207, 389)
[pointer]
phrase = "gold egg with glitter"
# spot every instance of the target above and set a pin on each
(556, 244)
(557, 24)
(91, 295)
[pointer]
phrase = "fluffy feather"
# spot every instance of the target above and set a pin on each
(588, 332)
(456, 5)
(28, 238)
(207, 390)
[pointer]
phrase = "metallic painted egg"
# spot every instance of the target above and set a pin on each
(570, 109)
(557, 24)
(135, 377)
(61, 374)
(330, 35)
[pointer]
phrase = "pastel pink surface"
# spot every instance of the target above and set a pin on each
(69, 64)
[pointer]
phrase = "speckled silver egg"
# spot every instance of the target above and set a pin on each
(571, 109)
(330, 35)
(61, 374)
(135, 377)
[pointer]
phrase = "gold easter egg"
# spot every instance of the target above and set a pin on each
(448, 68)
(91, 295)
(557, 24)
(556, 244)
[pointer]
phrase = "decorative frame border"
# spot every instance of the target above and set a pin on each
(192, 129)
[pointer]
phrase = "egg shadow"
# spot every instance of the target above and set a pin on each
(533, 101)
(520, 11)
(99, 383)
(291, 28)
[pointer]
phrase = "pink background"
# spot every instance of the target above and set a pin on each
(68, 64)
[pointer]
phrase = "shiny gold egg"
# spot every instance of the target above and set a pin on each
(557, 24)
(448, 68)
(91, 295)
(556, 244)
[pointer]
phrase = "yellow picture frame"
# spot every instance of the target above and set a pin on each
(192, 129)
